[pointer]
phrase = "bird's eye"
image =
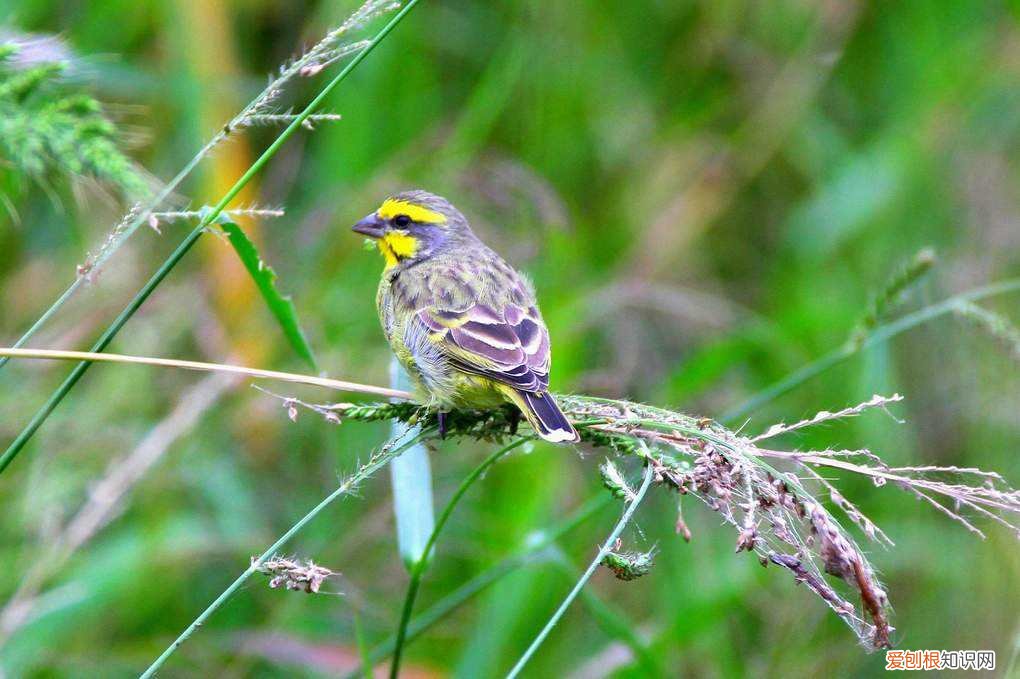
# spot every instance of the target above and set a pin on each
(401, 220)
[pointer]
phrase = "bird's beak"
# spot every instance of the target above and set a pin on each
(371, 226)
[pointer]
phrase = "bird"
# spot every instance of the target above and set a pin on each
(463, 323)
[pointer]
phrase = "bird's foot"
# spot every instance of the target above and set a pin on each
(515, 420)
(441, 416)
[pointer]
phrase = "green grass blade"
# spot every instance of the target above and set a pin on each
(280, 305)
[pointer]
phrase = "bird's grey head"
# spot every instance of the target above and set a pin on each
(413, 225)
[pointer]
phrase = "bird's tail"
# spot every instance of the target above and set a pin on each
(544, 416)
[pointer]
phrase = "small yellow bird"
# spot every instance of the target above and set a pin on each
(462, 322)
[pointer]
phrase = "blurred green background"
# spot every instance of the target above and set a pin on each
(705, 194)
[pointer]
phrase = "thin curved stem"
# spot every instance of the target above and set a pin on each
(876, 336)
(452, 601)
(57, 396)
(210, 216)
(339, 385)
(377, 462)
(614, 623)
(419, 567)
(607, 547)
(141, 212)
(132, 227)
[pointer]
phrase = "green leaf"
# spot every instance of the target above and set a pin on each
(279, 305)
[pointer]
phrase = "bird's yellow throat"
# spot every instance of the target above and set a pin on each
(396, 246)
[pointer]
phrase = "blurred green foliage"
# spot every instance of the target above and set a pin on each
(46, 130)
(707, 195)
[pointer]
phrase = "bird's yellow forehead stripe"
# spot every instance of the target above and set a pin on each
(392, 207)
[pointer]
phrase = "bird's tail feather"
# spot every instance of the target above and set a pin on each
(544, 416)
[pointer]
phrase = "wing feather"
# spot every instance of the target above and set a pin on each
(509, 345)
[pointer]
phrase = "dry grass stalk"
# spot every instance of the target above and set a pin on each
(293, 574)
(996, 325)
(876, 401)
(770, 497)
(158, 218)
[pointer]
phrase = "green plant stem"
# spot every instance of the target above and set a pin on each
(451, 602)
(607, 547)
(614, 623)
(39, 322)
(876, 336)
(422, 563)
(163, 194)
(40, 416)
(377, 462)
(72, 379)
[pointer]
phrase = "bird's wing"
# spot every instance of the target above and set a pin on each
(509, 345)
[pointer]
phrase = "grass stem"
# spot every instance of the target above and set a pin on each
(377, 462)
(44, 412)
(877, 336)
(65, 387)
(419, 567)
(607, 547)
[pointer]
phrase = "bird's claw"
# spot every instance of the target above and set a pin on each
(515, 420)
